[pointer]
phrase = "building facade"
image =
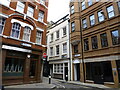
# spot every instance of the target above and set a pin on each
(23, 35)
(58, 48)
(95, 40)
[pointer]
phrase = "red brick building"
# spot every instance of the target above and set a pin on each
(23, 35)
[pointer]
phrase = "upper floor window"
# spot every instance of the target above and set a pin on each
(110, 11)
(2, 23)
(72, 9)
(119, 5)
(51, 37)
(51, 51)
(41, 16)
(97, 0)
(42, 1)
(104, 41)
(57, 50)
(30, 11)
(64, 31)
(38, 37)
(92, 20)
(73, 26)
(115, 37)
(27, 33)
(90, 2)
(75, 48)
(100, 16)
(84, 22)
(20, 6)
(94, 42)
(83, 5)
(57, 34)
(86, 44)
(65, 48)
(15, 30)
(5, 2)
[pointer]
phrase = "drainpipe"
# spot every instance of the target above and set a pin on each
(81, 41)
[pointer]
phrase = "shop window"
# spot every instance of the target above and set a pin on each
(14, 65)
(27, 33)
(94, 42)
(58, 68)
(2, 24)
(86, 45)
(118, 68)
(15, 30)
(75, 48)
(108, 77)
(110, 11)
(89, 71)
(104, 41)
(115, 37)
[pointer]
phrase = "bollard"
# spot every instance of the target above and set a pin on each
(49, 79)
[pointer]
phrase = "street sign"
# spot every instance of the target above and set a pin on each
(44, 55)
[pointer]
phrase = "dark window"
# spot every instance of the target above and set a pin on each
(32, 68)
(57, 34)
(75, 48)
(64, 31)
(86, 44)
(94, 42)
(89, 71)
(115, 37)
(57, 49)
(119, 5)
(104, 41)
(108, 77)
(2, 23)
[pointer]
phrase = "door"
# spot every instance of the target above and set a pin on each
(97, 73)
(77, 72)
(66, 73)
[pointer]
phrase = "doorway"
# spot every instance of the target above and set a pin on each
(77, 72)
(118, 68)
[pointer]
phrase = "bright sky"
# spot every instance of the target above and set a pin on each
(57, 9)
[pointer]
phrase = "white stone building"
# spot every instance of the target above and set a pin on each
(58, 48)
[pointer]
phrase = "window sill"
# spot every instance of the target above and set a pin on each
(56, 55)
(57, 39)
(64, 36)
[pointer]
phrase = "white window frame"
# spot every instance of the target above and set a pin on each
(27, 33)
(41, 16)
(92, 20)
(72, 9)
(2, 25)
(110, 11)
(101, 17)
(65, 47)
(20, 7)
(15, 30)
(30, 11)
(39, 37)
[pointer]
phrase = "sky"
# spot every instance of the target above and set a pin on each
(57, 9)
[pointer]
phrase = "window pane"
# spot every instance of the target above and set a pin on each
(2, 23)
(104, 41)
(92, 20)
(73, 26)
(41, 16)
(72, 9)
(30, 11)
(100, 16)
(20, 7)
(86, 44)
(26, 34)
(94, 42)
(38, 37)
(110, 11)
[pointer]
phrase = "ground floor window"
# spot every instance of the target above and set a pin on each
(88, 71)
(58, 68)
(118, 68)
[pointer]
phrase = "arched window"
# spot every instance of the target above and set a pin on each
(27, 33)
(15, 30)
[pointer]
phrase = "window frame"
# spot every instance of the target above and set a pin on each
(15, 31)
(64, 31)
(51, 51)
(95, 43)
(90, 2)
(86, 45)
(41, 16)
(104, 41)
(84, 23)
(40, 37)
(83, 6)
(19, 3)
(27, 33)
(28, 11)
(65, 47)
(57, 50)
(72, 9)
(72, 26)
(111, 11)
(2, 26)
(57, 34)
(101, 15)
(92, 18)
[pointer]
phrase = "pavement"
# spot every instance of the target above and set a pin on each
(45, 84)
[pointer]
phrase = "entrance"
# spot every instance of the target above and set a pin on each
(97, 73)
(77, 72)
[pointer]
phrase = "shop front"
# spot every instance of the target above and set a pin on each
(20, 66)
